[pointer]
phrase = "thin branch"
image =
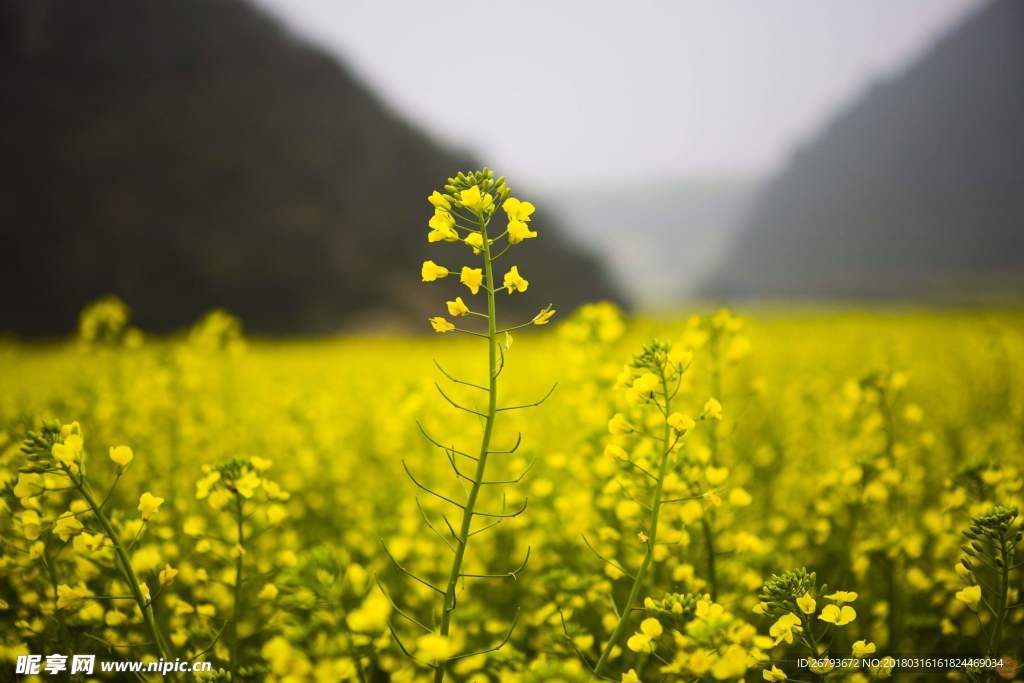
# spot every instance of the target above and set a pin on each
(514, 574)
(431, 491)
(399, 610)
(441, 445)
(407, 572)
(504, 641)
(456, 379)
(515, 447)
(601, 557)
(535, 403)
(456, 405)
(430, 525)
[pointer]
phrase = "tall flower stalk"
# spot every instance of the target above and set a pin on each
(651, 382)
(463, 213)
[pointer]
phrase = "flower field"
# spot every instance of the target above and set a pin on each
(708, 497)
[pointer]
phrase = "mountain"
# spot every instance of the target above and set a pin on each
(194, 153)
(659, 238)
(915, 190)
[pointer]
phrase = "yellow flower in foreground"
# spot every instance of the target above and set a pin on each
(441, 324)
(731, 664)
(122, 455)
(651, 627)
(863, 648)
(66, 526)
(517, 210)
(784, 628)
(630, 677)
(70, 598)
(618, 425)
(442, 227)
(713, 409)
(806, 603)
(971, 596)
(476, 201)
(514, 282)
(434, 647)
(247, 484)
(431, 271)
(70, 451)
(31, 525)
(475, 240)
(842, 596)
(681, 422)
(472, 278)
(29, 484)
(544, 316)
(519, 231)
(439, 201)
(269, 592)
(840, 616)
(457, 307)
(774, 674)
(149, 504)
(167, 575)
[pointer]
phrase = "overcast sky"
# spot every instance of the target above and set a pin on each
(571, 92)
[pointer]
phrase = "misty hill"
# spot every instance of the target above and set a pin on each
(193, 153)
(915, 190)
(658, 238)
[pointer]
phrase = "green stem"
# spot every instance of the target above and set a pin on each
(237, 607)
(485, 443)
(641, 574)
(995, 642)
(127, 572)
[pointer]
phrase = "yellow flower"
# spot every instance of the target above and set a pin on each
(70, 598)
(167, 575)
(806, 603)
(713, 409)
(472, 278)
(431, 271)
(442, 227)
(517, 210)
(519, 231)
(544, 316)
(784, 628)
(476, 201)
(457, 307)
(122, 455)
(630, 677)
(840, 616)
(441, 324)
(29, 485)
(681, 422)
(716, 475)
(31, 525)
(67, 525)
(640, 642)
(269, 592)
(971, 596)
(149, 504)
(70, 451)
(514, 282)
(774, 674)
(842, 596)
(884, 668)
(203, 485)
(439, 201)
(247, 484)
(651, 627)
(434, 647)
(740, 497)
(732, 664)
(618, 425)
(646, 383)
(863, 648)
